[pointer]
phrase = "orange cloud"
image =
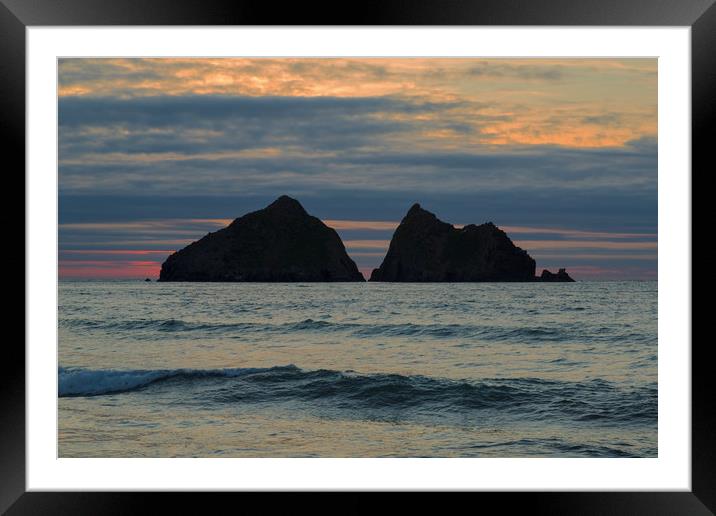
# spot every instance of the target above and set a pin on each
(568, 102)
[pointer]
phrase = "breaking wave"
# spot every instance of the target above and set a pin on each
(595, 400)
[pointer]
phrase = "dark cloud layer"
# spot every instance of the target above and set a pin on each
(206, 124)
(261, 145)
(598, 210)
(202, 110)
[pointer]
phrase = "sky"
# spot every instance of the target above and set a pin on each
(559, 153)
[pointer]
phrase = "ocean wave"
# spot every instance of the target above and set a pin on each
(155, 328)
(382, 395)
(87, 382)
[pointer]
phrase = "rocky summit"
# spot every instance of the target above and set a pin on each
(280, 243)
(425, 248)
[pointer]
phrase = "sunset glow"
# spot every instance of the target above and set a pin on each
(559, 153)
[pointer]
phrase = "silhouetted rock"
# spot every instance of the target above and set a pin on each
(147, 279)
(424, 248)
(560, 276)
(279, 243)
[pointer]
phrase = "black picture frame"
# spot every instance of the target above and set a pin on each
(17, 15)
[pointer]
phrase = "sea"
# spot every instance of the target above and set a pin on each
(148, 369)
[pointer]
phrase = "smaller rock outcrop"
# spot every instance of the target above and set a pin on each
(561, 276)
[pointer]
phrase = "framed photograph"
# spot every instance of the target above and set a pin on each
(436, 248)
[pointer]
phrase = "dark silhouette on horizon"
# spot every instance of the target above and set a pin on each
(426, 249)
(283, 243)
(280, 243)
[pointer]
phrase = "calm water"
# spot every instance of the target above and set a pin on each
(357, 370)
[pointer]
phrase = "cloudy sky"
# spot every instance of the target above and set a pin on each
(560, 153)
